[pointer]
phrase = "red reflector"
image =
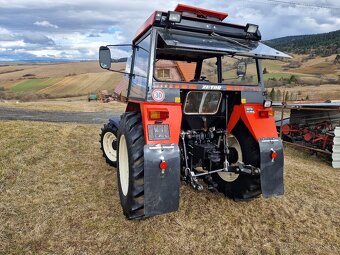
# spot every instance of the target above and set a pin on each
(274, 154)
(158, 115)
(163, 165)
(264, 114)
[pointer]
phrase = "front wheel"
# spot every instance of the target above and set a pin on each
(130, 172)
(108, 142)
(241, 186)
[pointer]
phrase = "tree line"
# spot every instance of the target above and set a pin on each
(284, 96)
(324, 44)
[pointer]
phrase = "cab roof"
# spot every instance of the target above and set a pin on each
(193, 18)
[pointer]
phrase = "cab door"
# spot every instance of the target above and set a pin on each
(139, 78)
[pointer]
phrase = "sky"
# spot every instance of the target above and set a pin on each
(74, 30)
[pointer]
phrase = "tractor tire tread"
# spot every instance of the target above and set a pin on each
(133, 202)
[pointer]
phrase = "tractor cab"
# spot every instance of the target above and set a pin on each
(196, 109)
(191, 46)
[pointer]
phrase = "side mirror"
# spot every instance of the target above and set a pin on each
(241, 69)
(104, 57)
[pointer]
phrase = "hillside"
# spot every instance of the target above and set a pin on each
(319, 44)
(304, 76)
(61, 79)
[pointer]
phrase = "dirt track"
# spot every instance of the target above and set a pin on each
(55, 116)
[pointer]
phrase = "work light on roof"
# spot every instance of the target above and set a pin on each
(174, 17)
(251, 28)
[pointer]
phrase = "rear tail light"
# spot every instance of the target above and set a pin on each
(263, 114)
(158, 115)
(266, 113)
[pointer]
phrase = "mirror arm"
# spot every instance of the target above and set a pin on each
(130, 74)
(115, 71)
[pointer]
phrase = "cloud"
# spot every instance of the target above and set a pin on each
(75, 29)
(37, 38)
(93, 35)
(45, 23)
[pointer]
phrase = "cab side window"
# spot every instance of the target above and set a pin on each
(139, 79)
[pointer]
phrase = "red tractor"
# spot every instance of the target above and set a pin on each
(196, 111)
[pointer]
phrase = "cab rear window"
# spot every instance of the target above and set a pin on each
(202, 102)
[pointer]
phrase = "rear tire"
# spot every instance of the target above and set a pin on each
(108, 142)
(245, 186)
(130, 172)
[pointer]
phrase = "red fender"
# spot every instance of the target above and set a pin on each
(174, 120)
(259, 127)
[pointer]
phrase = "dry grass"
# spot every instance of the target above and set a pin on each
(319, 69)
(319, 92)
(78, 105)
(86, 77)
(313, 61)
(83, 83)
(57, 196)
(15, 71)
(66, 78)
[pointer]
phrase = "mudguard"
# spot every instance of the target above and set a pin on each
(161, 189)
(271, 170)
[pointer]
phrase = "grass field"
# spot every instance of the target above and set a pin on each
(34, 84)
(57, 196)
(320, 69)
(317, 93)
(80, 78)
(59, 79)
(79, 104)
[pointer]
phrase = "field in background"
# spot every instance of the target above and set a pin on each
(316, 93)
(58, 196)
(311, 76)
(78, 104)
(78, 78)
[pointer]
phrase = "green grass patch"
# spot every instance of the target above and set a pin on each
(278, 76)
(34, 84)
(272, 66)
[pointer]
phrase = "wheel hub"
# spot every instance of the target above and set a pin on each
(236, 155)
(109, 146)
(123, 165)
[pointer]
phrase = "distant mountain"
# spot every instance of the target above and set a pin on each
(30, 58)
(320, 44)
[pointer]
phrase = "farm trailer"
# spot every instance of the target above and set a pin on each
(216, 127)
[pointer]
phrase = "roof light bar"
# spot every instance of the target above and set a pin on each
(251, 28)
(174, 17)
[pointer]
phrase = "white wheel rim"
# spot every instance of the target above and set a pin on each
(110, 152)
(123, 165)
(233, 142)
